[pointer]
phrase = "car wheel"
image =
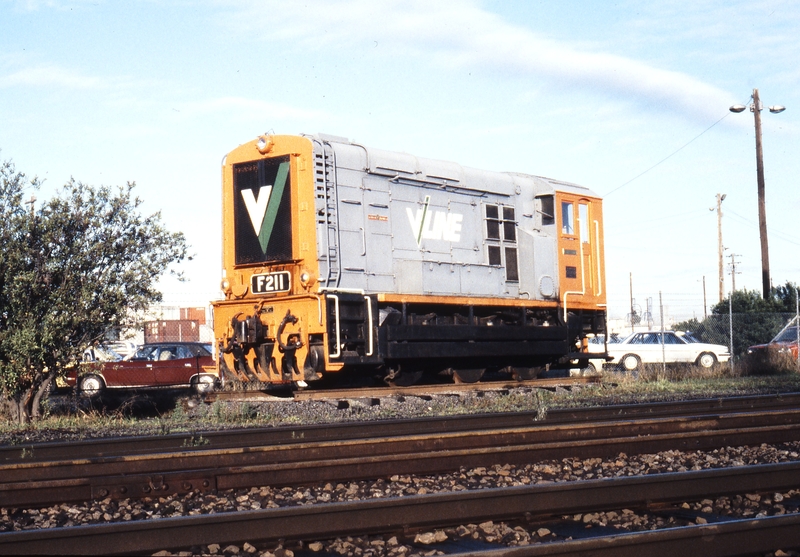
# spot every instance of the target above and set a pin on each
(706, 360)
(589, 370)
(630, 362)
(204, 384)
(91, 385)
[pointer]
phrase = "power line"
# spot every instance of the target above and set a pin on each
(668, 156)
(780, 234)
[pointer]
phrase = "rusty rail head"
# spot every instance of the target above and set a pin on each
(329, 520)
(306, 462)
(202, 440)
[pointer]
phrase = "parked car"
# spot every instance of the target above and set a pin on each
(784, 342)
(597, 345)
(649, 348)
(163, 364)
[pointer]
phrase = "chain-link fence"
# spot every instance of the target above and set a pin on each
(740, 332)
(749, 337)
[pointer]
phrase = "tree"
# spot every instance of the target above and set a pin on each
(82, 264)
(756, 320)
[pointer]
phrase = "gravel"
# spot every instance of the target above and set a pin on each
(190, 415)
(497, 476)
(159, 413)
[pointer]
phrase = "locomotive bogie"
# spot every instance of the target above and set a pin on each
(337, 256)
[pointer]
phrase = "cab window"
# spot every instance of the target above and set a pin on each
(567, 218)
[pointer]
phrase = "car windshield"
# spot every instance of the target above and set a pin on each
(787, 335)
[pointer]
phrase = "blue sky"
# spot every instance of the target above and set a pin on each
(595, 93)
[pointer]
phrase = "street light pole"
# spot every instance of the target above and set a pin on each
(762, 206)
(755, 108)
(720, 248)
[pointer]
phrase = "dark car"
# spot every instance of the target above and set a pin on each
(163, 364)
(784, 342)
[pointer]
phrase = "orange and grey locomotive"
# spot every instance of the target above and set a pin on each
(340, 258)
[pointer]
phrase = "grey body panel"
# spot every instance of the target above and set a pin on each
(410, 225)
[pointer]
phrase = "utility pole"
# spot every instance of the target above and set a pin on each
(705, 303)
(762, 206)
(756, 108)
(31, 202)
(733, 272)
(720, 249)
(630, 278)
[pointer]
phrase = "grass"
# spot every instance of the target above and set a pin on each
(72, 418)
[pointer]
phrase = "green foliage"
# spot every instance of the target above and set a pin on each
(755, 320)
(81, 264)
(781, 300)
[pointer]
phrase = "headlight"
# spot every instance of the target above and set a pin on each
(307, 278)
(265, 144)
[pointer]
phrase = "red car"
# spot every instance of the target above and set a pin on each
(164, 364)
(784, 342)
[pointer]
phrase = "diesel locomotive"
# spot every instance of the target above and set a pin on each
(344, 259)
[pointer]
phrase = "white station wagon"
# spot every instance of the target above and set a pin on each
(649, 348)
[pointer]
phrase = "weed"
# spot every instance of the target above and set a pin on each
(81, 419)
(179, 414)
(769, 362)
(193, 441)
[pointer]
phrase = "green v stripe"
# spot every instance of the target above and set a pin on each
(273, 206)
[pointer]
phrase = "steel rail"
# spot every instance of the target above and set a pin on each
(344, 393)
(283, 435)
(745, 537)
(26, 484)
(444, 388)
(328, 520)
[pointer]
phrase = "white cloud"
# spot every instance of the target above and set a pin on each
(36, 5)
(247, 106)
(49, 76)
(459, 33)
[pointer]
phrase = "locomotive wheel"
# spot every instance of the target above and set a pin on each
(525, 373)
(467, 375)
(405, 379)
(589, 371)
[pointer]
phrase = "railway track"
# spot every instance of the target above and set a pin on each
(366, 392)
(231, 438)
(302, 455)
(313, 522)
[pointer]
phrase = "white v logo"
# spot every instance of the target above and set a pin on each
(257, 209)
